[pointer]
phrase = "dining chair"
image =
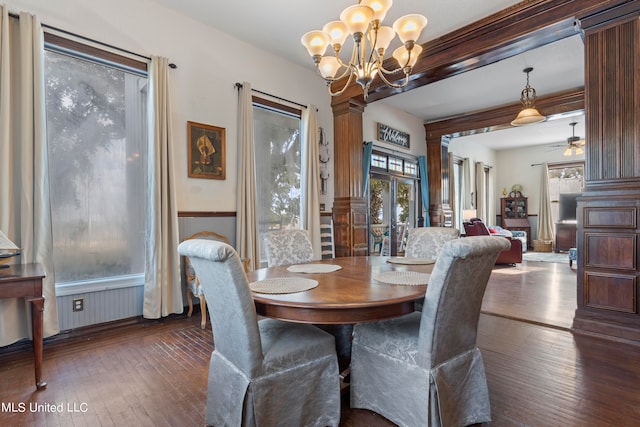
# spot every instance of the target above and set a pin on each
(425, 368)
(426, 242)
(193, 284)
(261, 373)
(286, 247)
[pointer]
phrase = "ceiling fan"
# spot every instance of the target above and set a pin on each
(574, 143)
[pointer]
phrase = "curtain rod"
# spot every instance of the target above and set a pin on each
(239, 85)
(69, 33)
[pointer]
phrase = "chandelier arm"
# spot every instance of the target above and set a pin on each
(343, 89)
(388, 72)
(395, 85)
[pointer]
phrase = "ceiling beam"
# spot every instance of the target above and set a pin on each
(509, 32)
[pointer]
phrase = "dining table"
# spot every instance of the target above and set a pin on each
(356, 291)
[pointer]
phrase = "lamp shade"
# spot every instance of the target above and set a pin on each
(401, 55)
(357, 18)
(467, 214)
(528, 116)
(337, 31)
(316, 42)
(409, 27)
(328, 66)
(385, 35)
(380, 7)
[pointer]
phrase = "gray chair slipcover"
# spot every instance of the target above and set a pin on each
(286, 247)
(266, 373)
(424, 368)
(426, 242)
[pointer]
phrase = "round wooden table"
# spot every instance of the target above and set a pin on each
(346, 296)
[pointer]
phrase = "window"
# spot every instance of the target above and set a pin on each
(278, 165)
(96, 109)
(564, 178)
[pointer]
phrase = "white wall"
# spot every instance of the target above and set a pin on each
(209, 64)
(379, 112)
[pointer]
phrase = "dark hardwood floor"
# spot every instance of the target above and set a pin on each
(155, 373)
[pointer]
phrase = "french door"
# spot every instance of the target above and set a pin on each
(392, 211)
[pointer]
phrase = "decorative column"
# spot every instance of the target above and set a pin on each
(609, 209)
(349, 205)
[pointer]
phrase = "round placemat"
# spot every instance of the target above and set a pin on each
(403, 278)
(313, 268)
(410, 261)
(283, 285)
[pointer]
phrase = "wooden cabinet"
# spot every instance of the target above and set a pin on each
(513, 214)
(565, 236)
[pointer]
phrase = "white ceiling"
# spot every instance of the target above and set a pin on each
(277, 26)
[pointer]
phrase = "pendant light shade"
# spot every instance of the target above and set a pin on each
(529, 114)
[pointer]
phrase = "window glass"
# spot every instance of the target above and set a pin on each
(277, 155)
(97, 142)
(395, 164)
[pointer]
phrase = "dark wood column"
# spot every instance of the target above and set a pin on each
(349, 204)
(609, 210)
(440, 213)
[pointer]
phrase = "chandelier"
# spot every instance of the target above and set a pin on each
(529, 114)
(575, 143)
(370, 42)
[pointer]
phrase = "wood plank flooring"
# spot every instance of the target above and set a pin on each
(155, 373)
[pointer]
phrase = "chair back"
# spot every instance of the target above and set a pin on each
(449, 322)
(233, 314)
(475, 227)
(189, 273)
(426, 242)
(286, 247)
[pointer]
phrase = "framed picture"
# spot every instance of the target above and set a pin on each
(206, 151)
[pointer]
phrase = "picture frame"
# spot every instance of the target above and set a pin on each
(393, 136)
(206, 151)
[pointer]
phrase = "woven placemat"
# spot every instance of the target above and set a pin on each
(410, 261)
(283, 285)
(313, 268)
(411, 278)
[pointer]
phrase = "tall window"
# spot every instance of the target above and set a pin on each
(97, 142)
(564, 178)
(277, 154)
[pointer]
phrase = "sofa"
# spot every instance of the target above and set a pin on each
(512, 256)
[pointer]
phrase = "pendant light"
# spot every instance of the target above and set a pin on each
(529, 114)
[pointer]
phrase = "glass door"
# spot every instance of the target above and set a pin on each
(392, 209)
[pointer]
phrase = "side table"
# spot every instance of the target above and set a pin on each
(25, 281)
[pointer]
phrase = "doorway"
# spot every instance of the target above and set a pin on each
(392, 211)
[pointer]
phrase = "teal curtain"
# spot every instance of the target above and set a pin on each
(424, 186)
(366, 166)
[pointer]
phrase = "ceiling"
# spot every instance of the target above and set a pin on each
(557, 67)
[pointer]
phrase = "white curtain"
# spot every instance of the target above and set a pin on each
(452, 191)
(481, 207)
(311, 176)
(25, 213)
(489, 197)
(466, 200)
(545, 220)
(247, 219)
(162, 287)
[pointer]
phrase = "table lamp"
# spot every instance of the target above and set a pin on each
(8, 249)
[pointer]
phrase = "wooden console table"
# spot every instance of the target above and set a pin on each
(565, 236)
(25, 281)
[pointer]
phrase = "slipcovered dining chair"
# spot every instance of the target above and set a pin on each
(424, 368)
(261, 373)
(426, 242)
(285, 247)
(193, 284)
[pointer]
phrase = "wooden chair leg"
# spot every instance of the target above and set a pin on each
(190, 301)
(203, 311)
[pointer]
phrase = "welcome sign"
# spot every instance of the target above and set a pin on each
(393, 136)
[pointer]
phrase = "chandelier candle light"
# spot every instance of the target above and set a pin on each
(529, 114)
(371, 40)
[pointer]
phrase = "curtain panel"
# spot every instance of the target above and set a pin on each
(162, 287)
(311, 177)
(25, 211)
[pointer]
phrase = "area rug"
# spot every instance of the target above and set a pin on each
(562, 258)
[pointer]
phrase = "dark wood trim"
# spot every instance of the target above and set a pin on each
(276, 105)
(87, 49)
(186, 214)
(509, 32)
